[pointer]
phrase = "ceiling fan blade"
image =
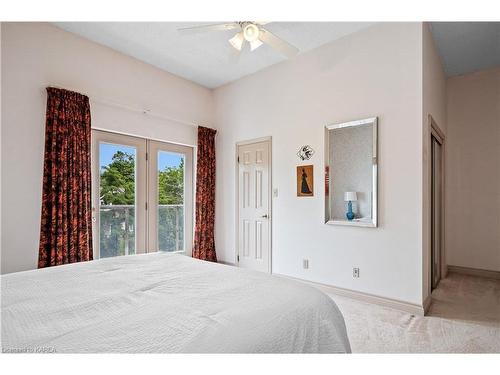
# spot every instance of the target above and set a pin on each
(278, 44)
(205, 28)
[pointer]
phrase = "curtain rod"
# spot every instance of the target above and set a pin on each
(126, 107)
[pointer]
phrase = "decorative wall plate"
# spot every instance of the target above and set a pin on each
(305, 152)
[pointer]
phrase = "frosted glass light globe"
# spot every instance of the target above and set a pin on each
(251, 32)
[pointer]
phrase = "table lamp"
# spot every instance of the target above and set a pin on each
(350, 196)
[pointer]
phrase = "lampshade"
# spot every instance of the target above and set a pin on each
(350, 196)
(237, 41)
(255, 44)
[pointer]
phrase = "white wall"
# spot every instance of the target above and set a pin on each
(473, 170)
(434, 104)
(1, 167)
(35, 55)
(375, 72)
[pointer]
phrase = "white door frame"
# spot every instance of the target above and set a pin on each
(270, 183)
(437, 133)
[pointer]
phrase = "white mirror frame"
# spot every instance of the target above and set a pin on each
(328, 219)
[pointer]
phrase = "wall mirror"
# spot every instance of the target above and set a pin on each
(351, 173)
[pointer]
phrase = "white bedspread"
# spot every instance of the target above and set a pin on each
(165, 303)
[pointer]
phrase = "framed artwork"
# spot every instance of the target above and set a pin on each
(305, 152)
(305, 181)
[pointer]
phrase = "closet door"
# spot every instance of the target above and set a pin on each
(118, 194)
(170, 193)
(436, 211)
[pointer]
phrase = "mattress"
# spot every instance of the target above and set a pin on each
(165, 303)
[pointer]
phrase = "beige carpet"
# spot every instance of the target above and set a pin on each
(464, 318)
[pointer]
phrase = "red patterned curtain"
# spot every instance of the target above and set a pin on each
(66, 225)
(204, 242)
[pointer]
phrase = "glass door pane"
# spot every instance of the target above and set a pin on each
(118, 194)
(171, 197)
(170, 201)
(117, 199)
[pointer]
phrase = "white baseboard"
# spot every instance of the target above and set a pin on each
(361, 296)
(408, 307)
(427, 304)
(226, 263)
(475, 272)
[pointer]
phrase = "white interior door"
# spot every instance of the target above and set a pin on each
(254, 206)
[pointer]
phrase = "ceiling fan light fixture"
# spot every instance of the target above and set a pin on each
(237, 41)
(255, 44)
(251, 32)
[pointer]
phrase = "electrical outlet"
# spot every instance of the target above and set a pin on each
(355, 272)
(305, 264)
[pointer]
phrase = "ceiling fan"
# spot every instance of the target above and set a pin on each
(247, 31)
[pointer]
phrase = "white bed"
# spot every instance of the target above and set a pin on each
(161, 303)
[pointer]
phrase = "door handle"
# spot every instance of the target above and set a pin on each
(265, 216)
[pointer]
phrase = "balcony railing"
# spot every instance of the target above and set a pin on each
(117, 229)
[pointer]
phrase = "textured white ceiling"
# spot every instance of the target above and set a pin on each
(467, 46)
(206, 58)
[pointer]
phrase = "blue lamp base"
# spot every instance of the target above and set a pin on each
(349, 214)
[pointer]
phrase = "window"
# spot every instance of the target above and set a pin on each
(142, 195)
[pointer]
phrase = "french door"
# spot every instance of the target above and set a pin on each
(142, 195)
(170, 182)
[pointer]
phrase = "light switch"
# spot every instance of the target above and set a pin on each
(275, 193)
